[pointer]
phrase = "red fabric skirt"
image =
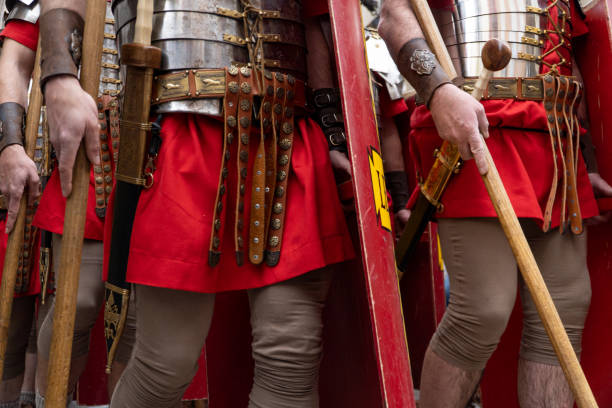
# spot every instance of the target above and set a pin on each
(50, 213)
(34, 286)
(171, 234)
(521, 148)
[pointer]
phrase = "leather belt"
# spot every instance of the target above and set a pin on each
(270, 167)
(202, 84)
(523, 89)
(108, 119)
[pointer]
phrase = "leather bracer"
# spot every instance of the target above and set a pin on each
(328, 113)
(11, 124)
(61, 32)
(421, 68)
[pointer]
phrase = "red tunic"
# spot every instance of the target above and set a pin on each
(50, 214)
(520, 145)
(34, 286)
(171, 235)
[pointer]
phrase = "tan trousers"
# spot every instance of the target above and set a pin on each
(89, 301)
(483, 285)
(172, 327)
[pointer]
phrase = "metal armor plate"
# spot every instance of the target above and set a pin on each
(517, 22)
(204, 34)
(26, 10)
(110, 80)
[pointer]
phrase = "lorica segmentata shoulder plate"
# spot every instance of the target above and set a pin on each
(24, 10)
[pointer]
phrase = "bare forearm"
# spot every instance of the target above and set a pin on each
(16, 66)
(391, 146)
(78, 6)
(398, 25)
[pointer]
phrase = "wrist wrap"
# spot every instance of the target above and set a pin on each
(11, 124)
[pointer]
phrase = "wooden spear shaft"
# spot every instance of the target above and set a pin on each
(15, 239)
(74, 223)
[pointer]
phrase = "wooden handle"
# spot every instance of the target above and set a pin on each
(74, 223)
(15, 239)
(432, 35)
(144, 22)
(535, 283)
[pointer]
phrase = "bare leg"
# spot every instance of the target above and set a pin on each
(444, 385)
(543, 386)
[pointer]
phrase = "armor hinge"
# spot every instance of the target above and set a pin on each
(532, 41)
(534, 30)
(533, 9)
(233, 39)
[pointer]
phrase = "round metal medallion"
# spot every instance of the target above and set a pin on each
(217, 224)
(274, 241)
(279, 76)
(244, 156)
(285, 144)
(216, 242)
(278, 208)
(244, 138)
(287, 128)
(282, 175)
(280, 92)
(233, 70)
(233, 87)
(245, 122)
(280, 191)
(276, 224)
(245, 105)
(231, 121)
(283, 160)
(246, 87)
(266, 107)
(245, 71)
(97, 170)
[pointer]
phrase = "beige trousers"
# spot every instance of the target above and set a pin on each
(483, 285)
(172, 327)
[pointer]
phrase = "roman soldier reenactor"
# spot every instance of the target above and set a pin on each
(237, 191)
(529, 117)
(22, 32)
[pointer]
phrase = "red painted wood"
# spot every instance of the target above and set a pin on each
(594, 56)
(376, 244)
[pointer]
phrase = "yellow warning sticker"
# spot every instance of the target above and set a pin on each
(379, 188)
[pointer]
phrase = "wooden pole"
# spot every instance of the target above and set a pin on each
(74, 223)
(15, 239)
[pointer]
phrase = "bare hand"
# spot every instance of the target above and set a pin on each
(16, 171)
(401, 219)
(601, 188)
(461, 119)
(339, 161)
(72, 115)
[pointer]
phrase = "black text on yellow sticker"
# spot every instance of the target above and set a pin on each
(379, 188)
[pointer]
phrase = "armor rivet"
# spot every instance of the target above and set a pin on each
(245, 105)
(246, 87)
(197, 93)
(99, 190)
(274, 241)
(288, 113)
(97, 169)
(257, 206)
(219, 206)
(240, 242)
(245, 71)
(103, 136)
(268, 188)
(101, 115)
(256, 240)
(551, 119)
(287, 128)
(233, 87)
(259, 172)
(256, 223)
(276, 224)
(244, 156)
(103, 125)
(222, 190)
(245, 122)
(107, 168)
(285, 144)
(104, 146)
(156, 99)
(278, 208)
(231, 121)
(99, 180)
(280, 92)
(548, 105)
(279, 77)
(230, 138)
(266, 107)
(242, 189)
(244, 138)
(280, 191)
(278, 109)
(108, 179)
(258, 189)
(100, 202)
(108, 189)
(216, 242)
(282, 175)
(283, 160)
(243, 173)
(233, 70)
(217, 224)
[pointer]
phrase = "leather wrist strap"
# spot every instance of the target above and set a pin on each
(61, 32)
(397, 184)
(421, 68)
(328, 113)
(11, 124)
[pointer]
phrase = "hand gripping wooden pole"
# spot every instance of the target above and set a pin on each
(15, 239)
(74, 223)
(509, 221)
(526, 262)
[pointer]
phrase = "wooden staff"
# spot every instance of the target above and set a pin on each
(516, 238)
(15, 239)
(74, 222)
